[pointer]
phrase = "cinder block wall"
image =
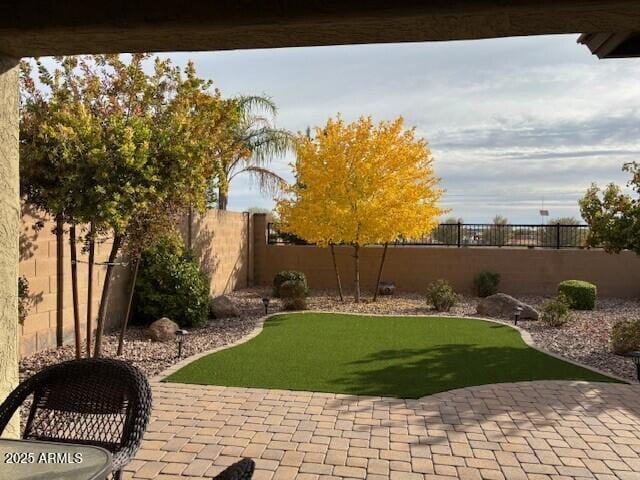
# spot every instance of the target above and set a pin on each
(523, 271)
(233, 251)
(38, 265)
(221, 240)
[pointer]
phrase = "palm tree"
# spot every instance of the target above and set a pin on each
(253, 142)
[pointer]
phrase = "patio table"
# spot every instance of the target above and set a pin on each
(35, 460)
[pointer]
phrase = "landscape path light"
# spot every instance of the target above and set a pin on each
(180, 337)
(516, 315)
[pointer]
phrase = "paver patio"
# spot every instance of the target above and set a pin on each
(535, 430)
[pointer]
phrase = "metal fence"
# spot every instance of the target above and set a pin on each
(478, 235)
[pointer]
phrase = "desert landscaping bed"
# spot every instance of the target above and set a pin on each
(584, 339)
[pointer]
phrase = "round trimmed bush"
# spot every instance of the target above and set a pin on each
(170, 284)
(580, 294)
(288, 275)
(293, 294)
(486, 283)
(441, 295)
(625, 337)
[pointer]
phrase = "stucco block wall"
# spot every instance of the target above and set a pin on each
(221, 241)
(38, 265)
(232, 249)
(523, 271)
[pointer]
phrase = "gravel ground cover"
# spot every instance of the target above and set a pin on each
(154, 357)
(584, 339)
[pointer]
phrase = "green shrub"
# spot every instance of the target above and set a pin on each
(294, 295)
(287, 275)
(581, 295)
(556, 311)
(170, 284)
(486, 283)
(441, 295)
(23, 298)
(625, 336)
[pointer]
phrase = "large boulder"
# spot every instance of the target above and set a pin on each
(163, 330)
(502, 305)
(223, 307)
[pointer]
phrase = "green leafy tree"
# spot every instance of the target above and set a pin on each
(614, 216)
(126, 173)
(57, 132)
(447, 232)
(570, 234)
(176, 162)
(499, 233)
(144, 146)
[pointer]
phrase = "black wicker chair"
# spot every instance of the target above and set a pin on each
(242, 470)
(101, 402)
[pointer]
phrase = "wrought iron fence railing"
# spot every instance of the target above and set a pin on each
(478, 235)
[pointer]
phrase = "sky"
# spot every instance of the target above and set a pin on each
(513, 124)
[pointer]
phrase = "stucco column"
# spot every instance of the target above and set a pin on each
(9, 229)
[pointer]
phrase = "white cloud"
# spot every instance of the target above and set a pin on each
(510, 121)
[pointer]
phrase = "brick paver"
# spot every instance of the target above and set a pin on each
(528, 430)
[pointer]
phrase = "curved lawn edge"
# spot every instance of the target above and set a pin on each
(528, 340)
(259, 328)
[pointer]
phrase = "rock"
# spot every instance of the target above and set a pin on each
(223, 307)
(502, 305)
(162, 330)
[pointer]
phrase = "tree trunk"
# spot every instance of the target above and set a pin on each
(223, 198)
(74, 288)
(335, 268)
(92, 255)
(357, 272)
(59, 280)
(123, 329)
(106, 291)
(190, 227)
(384, 255)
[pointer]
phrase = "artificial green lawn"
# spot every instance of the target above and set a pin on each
(406, 357)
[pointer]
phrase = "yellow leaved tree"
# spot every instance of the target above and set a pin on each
(361, 184)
